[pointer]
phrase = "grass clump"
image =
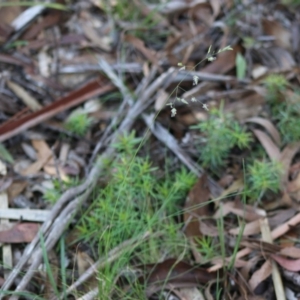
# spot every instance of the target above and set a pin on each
(221, 133)
(128, 11)
(131, 200)
(78, 123)
(263, 176)
(275, 84)
(135, 201)
(285, 107)
(207, 247)
(288, 121)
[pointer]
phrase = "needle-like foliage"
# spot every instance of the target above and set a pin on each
(220, 134)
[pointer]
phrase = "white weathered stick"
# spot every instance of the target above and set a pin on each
(34, 215)
(72, 193)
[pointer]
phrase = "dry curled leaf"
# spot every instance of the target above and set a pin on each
(269, 126)
(270, 147)
(286, 158)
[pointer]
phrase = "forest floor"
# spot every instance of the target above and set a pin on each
(150, 149)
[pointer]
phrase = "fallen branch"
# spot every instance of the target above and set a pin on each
(95, 88)
(64, 210)
(161, 133)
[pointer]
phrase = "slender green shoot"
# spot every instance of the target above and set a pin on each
(48, 267)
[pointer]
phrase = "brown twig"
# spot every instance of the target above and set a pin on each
(92, 89)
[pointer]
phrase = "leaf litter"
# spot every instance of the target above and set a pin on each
(95, 92)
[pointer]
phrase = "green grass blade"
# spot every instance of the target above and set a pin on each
(48, 267)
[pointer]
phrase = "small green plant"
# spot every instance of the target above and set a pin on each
(284, 107)
(263, 176)
(135, 201)
(275, 84)
(221, 133)
(207, 247)
(78, 123)
(129, 12)
(51, 195)
(288, 121)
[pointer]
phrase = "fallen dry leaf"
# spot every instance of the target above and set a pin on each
(9, 13)
(236, 186)
(216, 7)
(84, 261)
(260, 275)
(259, 71)
(15, 189)
(224, 62)
(269, 126)
(251, 228)
(161, 99)
(44, 153)
(208, 228)
(248, 212)
(282, 35)
(288, 264)
(280, 216)
(191, 294)
(176, 272)
(283, 228)
(31, 102)
(20, 233)
(246, 107)
(283, 58)
(140, 45)
(196, 206)
(268, 144)
(286, 158)
(201, 11)
(103, 42)
(259, 245)
(51, 19)
(292, 252)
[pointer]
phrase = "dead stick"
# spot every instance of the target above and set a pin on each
(93, 176)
